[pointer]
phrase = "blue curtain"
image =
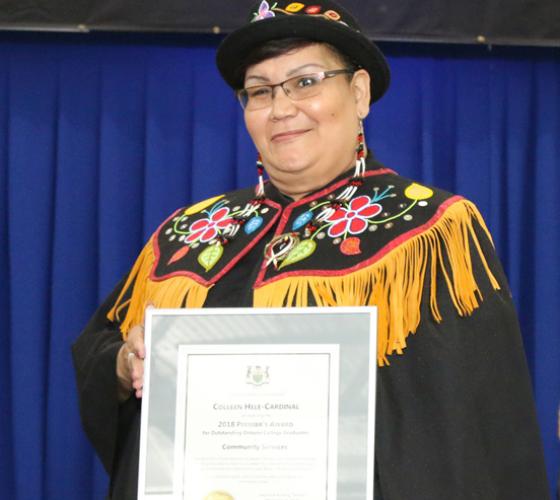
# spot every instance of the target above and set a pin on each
(101, 137)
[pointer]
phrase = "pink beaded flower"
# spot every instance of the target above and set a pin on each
(353, 218)
(205, 230)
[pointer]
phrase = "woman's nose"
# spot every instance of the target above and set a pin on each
(282, 105)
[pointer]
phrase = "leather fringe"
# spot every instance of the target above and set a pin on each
(175, 292)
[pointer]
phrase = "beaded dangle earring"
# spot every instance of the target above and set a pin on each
(260, 171)
(357, 179)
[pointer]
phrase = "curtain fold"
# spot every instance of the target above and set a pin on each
(102, 137)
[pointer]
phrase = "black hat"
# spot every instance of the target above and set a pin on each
(320, 20)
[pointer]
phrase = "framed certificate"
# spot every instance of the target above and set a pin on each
(258, 404)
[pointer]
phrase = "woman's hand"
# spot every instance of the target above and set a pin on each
(130, 364)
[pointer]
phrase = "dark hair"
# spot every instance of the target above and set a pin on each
(281, 46)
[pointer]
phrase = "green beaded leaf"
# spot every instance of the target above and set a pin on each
(301, 251)
(210, 255)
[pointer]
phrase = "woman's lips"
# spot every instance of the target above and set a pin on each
(289, 135)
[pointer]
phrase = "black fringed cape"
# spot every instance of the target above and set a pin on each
(455, 414)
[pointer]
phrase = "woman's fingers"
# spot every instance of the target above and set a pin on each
(136, 367)
(136, 371)
(124, 374)
(136, 355)
(137, 374)
(135, 341)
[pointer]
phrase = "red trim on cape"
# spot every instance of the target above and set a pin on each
(380, 254)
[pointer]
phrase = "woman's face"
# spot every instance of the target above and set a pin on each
(305, 144)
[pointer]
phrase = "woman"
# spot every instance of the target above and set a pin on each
(455, 416)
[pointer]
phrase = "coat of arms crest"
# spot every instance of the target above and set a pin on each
(257, 375)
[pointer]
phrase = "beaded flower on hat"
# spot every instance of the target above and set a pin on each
(266, 11)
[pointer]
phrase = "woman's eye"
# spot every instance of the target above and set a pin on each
(307, 81)
(258, 92)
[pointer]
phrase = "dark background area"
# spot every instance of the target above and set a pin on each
(520, 22)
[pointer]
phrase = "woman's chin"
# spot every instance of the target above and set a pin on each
(289, 167)
(290, 160)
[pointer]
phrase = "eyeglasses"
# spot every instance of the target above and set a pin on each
(296, 88)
